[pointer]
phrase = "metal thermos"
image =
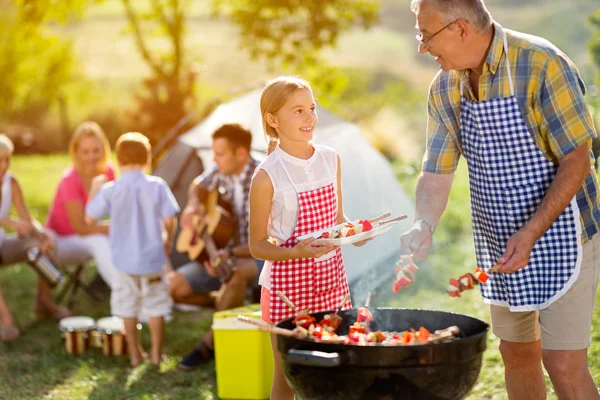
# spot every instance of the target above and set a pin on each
(44, 266)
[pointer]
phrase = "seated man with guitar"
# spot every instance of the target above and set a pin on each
(215, 235)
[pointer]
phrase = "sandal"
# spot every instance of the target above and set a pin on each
(9, 333)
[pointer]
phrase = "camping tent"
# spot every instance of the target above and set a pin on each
(369, 185)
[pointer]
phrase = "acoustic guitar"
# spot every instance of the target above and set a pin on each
(210, 232)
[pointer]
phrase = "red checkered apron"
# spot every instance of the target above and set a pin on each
(317, 284)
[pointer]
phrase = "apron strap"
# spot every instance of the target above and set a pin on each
(510, 82)
(507, 64)
(333, 177)
(288, 175)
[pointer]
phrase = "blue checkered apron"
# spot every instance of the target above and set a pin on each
(509, 177)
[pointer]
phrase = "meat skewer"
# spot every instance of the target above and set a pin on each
(466, 282)
(265, 327)
(398, 218)
(405, 273)
(377, 219)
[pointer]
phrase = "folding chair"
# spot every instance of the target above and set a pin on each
(74, 281)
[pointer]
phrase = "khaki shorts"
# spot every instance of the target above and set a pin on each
(134, 295)
(564, 324)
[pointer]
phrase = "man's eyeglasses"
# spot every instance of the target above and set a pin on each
(423, 43)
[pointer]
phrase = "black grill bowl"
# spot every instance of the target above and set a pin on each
(439, 371)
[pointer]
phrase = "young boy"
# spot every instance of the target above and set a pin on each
(142, 212)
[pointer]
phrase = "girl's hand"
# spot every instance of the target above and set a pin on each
(305, 249)
(362, 242)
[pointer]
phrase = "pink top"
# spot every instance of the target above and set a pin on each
(70, 189)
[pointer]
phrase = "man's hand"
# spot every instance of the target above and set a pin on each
(417, 241)
(305, 249)
(518, 251)
(187, 216)
(210, 265)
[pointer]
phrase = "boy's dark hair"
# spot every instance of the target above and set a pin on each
(236, 135)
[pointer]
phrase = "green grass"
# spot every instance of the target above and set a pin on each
(36, 366)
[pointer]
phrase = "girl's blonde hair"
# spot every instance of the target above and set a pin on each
(273, 97)
(6, 145)
(85, 130)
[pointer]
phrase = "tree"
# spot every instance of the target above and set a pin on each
(292, 33)
(166, 96)
(36, 66)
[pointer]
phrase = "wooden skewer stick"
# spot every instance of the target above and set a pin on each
(368, 300)
(263, 326)
(286, 300)
(398, 218)
(496, 268)
(382, 216)
(344, 301)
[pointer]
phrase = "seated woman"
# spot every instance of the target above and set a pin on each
(75, 241)
(14, 246)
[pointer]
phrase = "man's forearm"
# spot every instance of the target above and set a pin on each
(241, 250)
(569, 177)
(431, 196)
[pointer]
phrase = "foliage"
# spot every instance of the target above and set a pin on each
(594, 43)
(36, 67)
(292, 33)
(167, 95)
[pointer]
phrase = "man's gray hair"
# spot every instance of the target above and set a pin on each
(473, 11)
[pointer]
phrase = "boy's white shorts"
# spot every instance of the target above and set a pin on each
(135, 295)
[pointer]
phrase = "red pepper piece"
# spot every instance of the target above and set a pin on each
(363, 314)
(480, 275)
(401, 283)
(423, 334)
(367, 226)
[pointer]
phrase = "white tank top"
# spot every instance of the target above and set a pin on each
(317, 171)
(5, 204)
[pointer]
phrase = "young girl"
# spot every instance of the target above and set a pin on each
(296, 190)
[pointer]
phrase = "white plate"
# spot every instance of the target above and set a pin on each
(376, 231)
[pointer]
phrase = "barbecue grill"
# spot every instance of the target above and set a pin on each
(436, 371)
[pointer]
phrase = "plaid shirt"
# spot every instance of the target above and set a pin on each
(212, 179)
(550, 94)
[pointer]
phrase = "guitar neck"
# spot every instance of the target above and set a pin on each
(209, 243)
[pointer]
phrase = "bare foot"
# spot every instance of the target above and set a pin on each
(8, 331)
(142, 352)
(134, 361)
(50, 310)
(157, 359)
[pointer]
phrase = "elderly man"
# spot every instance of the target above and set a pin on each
(194, 283)
(513, 106)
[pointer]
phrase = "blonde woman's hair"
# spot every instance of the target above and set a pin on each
(273, 97)
(133, 148)
(85, 130)
(6, 145)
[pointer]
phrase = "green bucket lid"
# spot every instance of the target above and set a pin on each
(250, 311)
